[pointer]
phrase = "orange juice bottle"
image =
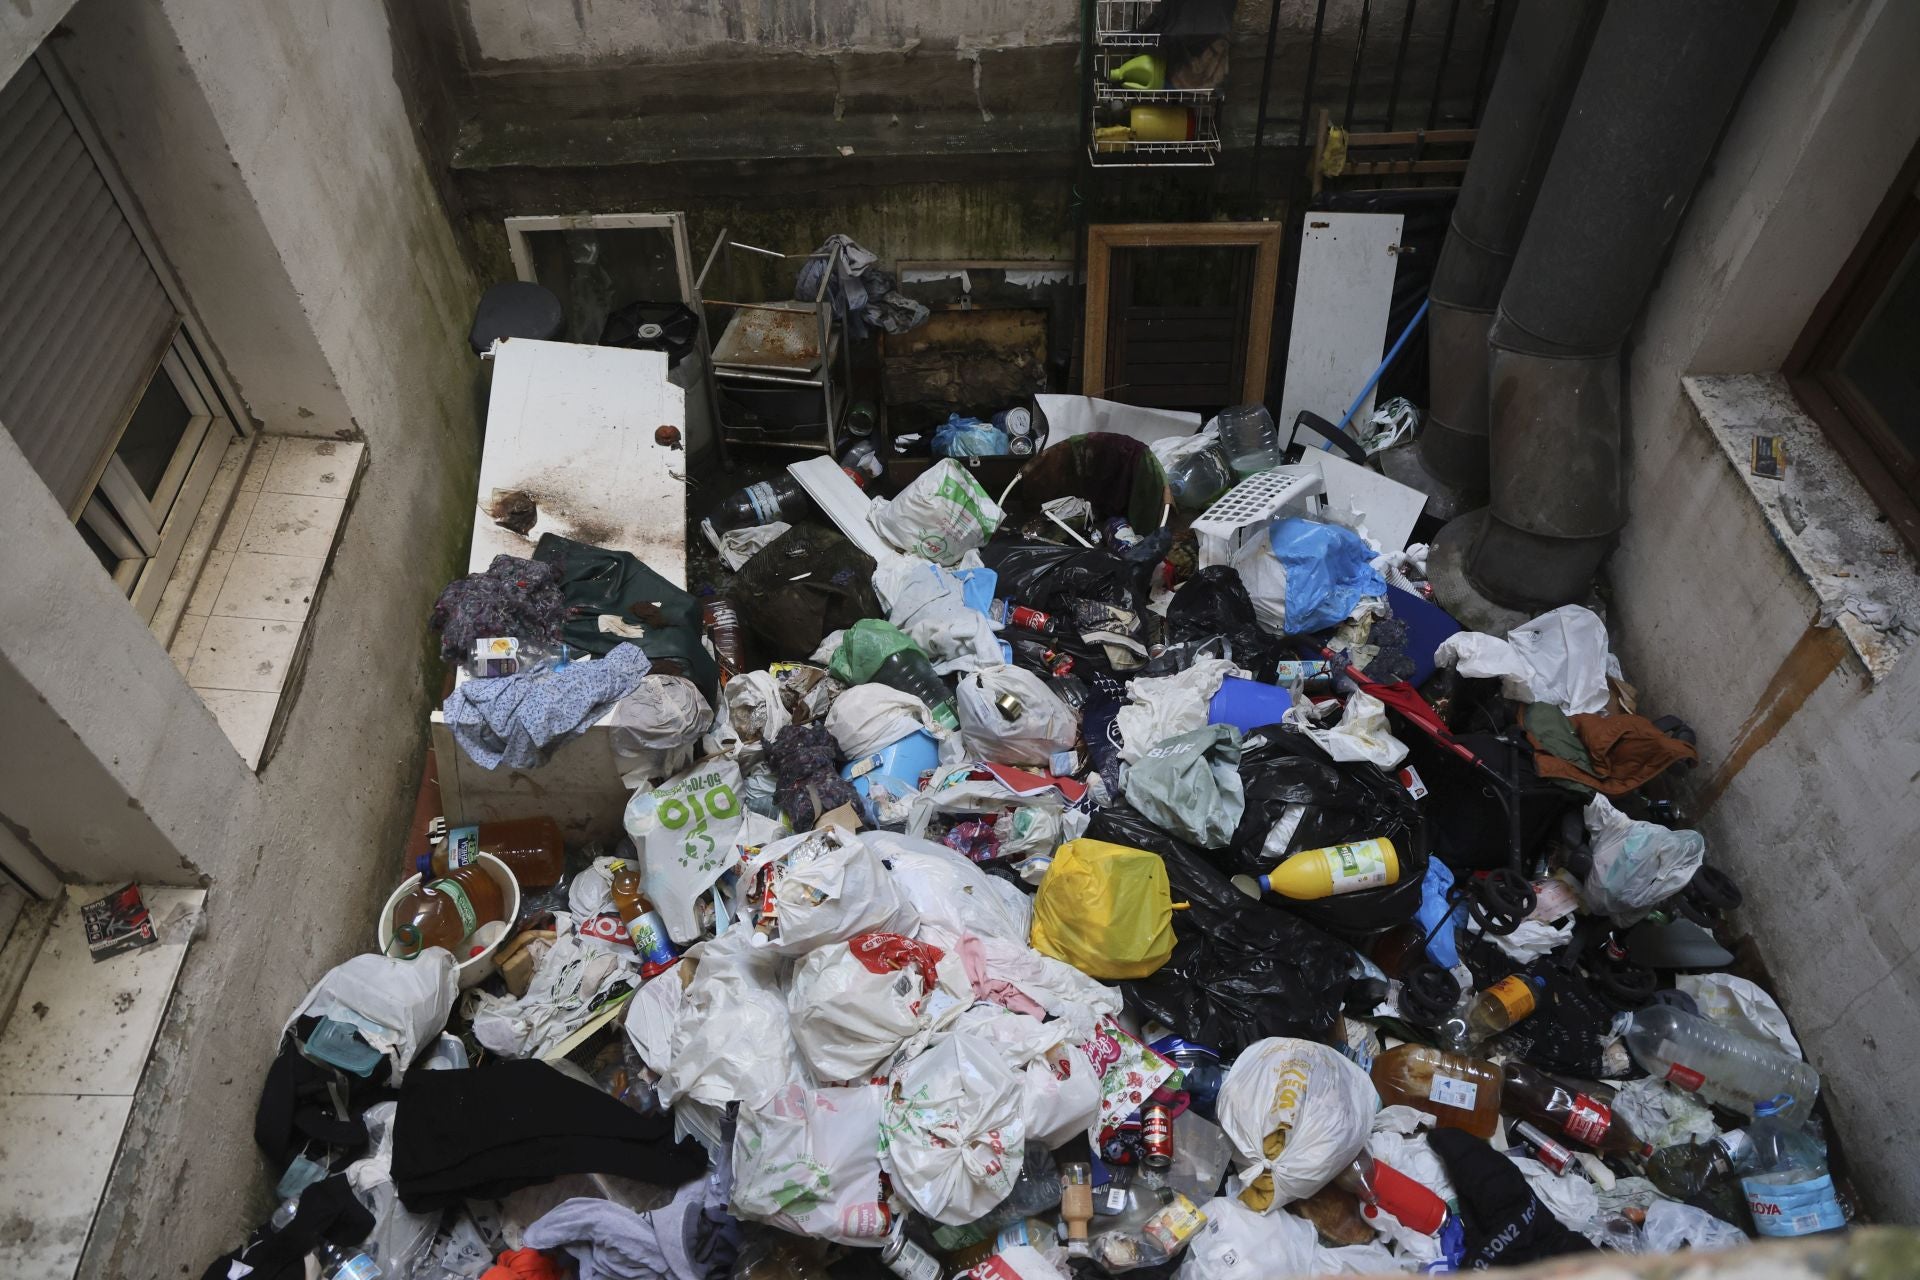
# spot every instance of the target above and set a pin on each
(644, 926)
(532, 848)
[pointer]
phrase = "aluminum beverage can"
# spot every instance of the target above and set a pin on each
(1156, 1126)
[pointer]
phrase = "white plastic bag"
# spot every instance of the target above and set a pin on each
(1239, 1244)
(1162, 707)
(1315, 1093)
(928, 604)
(399, 1238)
(808, 1161)
(654, 729)
(752, 714)
(828, 887)
(1043, 725)
(731, 1040)
(868, 717)
(854, 1003)
(1265, 579)
(1568, 1196)
(1361, 734)
(1635, 864)
(1671, 1226)
(942, 514)
(1059, 1087)
(685, 830)
(950, 892)
(1739, 1005)
(954, 1132)
(1008, 972)
(1567, 652)
(570, 977)
(1559, 657)
(396, 1005)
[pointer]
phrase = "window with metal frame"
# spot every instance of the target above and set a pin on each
(102, 384)
(1856, 367)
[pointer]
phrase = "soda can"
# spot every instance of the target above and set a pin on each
(1016, 422)
(1552, 1154)
(1156, 1131)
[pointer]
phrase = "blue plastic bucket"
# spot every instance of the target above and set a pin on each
(901, 764)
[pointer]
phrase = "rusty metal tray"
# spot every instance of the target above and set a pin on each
(771, 338)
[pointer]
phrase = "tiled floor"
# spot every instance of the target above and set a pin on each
(70, 1059)
(241, 630)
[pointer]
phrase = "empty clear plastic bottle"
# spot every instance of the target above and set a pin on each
(337, 1264)
(1789, 1190)
(1724, 1067)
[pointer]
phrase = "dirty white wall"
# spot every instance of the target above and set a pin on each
(1816, 769)
(270, 147)
(513, 31)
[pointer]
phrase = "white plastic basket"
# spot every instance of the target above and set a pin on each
(1250, 506)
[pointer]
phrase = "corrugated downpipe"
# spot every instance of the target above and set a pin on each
(1522, 119)
(1657, 88)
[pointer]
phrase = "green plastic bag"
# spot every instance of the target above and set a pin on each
(868, 643)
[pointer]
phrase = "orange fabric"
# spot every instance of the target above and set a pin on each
(526, 1264)
(1627, 752)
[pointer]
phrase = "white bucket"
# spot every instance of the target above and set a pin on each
(475, 970)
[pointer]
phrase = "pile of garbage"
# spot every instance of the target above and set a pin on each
(1131, 871)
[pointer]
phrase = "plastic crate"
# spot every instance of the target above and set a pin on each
(1250, 507)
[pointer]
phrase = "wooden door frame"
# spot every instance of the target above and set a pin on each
(1264, 238)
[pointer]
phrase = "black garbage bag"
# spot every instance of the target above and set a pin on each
(801, 587)
(1241, 970)
(1043, 574)
(1214, 602)
(600, 580)
(1280, 767)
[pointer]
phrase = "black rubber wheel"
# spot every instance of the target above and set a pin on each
(1501, 900)
(1428, 994)
(1626, 985)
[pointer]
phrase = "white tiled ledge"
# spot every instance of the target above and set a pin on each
(1819, 514)
(240, 634)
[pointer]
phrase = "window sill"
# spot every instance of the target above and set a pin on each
(1856, 565)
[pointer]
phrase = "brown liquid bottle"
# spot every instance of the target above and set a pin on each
(446, 911)
(1581, 1111)
(644, 925)
(532, 848)
(1460, 1092)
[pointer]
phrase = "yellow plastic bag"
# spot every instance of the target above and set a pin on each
(1105, 909)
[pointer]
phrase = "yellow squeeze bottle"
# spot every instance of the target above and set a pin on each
(1322, 873)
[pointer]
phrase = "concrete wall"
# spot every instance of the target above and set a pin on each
(271, 147)
(1812, 768)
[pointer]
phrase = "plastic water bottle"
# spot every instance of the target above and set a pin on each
(337, 1264)
(1724, 1067)
(1785, 1178)
(1251, 439)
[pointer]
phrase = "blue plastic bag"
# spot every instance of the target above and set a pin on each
(1441, 948)
(1329, 569)
(963, 437)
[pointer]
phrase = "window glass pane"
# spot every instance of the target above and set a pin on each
(153, 436)
(1883, 361)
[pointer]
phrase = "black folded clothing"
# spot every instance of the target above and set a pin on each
(487, 1131)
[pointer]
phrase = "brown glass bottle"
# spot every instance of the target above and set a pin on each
(1579, 1110)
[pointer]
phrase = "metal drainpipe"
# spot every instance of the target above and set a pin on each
(1657, 88)
(1537, 74)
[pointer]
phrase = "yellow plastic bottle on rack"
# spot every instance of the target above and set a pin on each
(1322, 873)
